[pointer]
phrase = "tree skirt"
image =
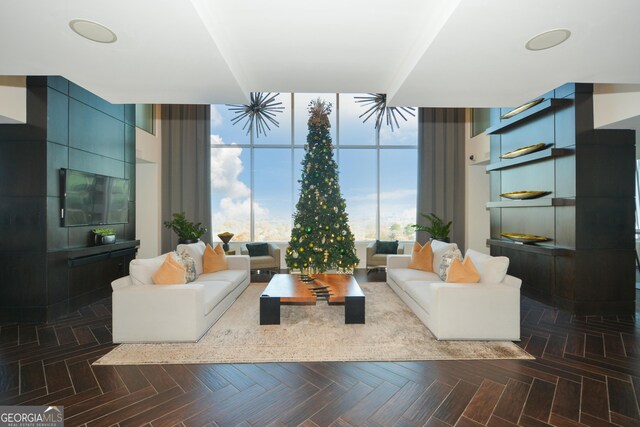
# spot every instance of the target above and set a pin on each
(315, 334)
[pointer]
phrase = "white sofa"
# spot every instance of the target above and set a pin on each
(144, 312)
(489, 310)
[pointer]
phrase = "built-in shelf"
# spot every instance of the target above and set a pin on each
(119, 245)
(548, 153)
(537, 248)
(529, 203)
(545, 106)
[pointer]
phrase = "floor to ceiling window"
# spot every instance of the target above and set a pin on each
(254, 179)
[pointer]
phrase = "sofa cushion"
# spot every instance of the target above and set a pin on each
(258, 262)
(422, 293)
(404, 275)
(214, 292)
(463, 272)
(421, 257)
(492, 269)
(141, 270)
(196, 251)
(258, 249)
(387, 248)
(235, 277)
(171, 272)
(439, 248)
(214, 259)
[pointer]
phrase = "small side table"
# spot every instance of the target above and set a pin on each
(233, 252)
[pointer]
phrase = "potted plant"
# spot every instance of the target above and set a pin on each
(438, 229)
(187, 231)
(104, 236)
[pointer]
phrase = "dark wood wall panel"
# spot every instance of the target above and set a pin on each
(588, 264)
(535, 176)
(538, 221)
(57, 117)
(565, 175)
(67, 127)
(57, 158)
(95, 132)
(117, 111)
(26, 272)
(23, 224)
(528, 134)
(605, 223)
(23, 168)
(95, 163)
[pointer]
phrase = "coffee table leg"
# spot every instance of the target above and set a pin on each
(269, 310)
(354, 310)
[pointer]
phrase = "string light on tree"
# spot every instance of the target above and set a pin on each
(320, 219)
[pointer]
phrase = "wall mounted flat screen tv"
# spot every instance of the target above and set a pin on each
(91, 199)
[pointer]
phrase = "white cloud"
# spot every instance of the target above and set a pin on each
(234, 209)
(216, 117)
(226, 167)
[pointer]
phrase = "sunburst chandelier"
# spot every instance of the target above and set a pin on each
(377, 103)
(258, 113)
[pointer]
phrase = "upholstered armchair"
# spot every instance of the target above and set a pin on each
(377, 252)
(261, 257)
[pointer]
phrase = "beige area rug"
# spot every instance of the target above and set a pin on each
(313, 334)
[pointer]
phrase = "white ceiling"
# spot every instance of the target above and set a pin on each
(465, 53)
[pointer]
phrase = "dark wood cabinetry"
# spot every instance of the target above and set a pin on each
(48, 270)
(588, 265)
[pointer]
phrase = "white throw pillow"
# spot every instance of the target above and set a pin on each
(196, 251)
(141, 270)
(492, 269)
(439, 248)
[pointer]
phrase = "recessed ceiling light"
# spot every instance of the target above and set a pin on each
(548, 39)
(92, 31)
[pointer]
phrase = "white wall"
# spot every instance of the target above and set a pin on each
(148, 189)
(476, 189)
(617, 106)
(13, 99)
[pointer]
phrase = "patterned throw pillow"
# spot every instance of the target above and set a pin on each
(188, 263)
(447, 260)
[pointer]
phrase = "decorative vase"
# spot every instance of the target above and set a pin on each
(108, 240)
(225, 237)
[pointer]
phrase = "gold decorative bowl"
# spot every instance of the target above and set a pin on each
(521, 108)
(524, 150)
(522, 195)
(525, 238)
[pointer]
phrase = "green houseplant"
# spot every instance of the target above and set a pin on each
(187, 231)
(438, 229)
(104, 236)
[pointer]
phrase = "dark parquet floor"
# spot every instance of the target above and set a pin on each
(586, 372)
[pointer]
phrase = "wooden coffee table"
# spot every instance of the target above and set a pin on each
(288, 289)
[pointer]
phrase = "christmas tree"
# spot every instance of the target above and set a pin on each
(321, 238)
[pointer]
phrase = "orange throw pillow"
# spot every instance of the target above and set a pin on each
(170, 273)
(463, 272)
(422, 257)
(214, 259)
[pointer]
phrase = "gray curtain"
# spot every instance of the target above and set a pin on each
(186, 167)
(441, 169)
